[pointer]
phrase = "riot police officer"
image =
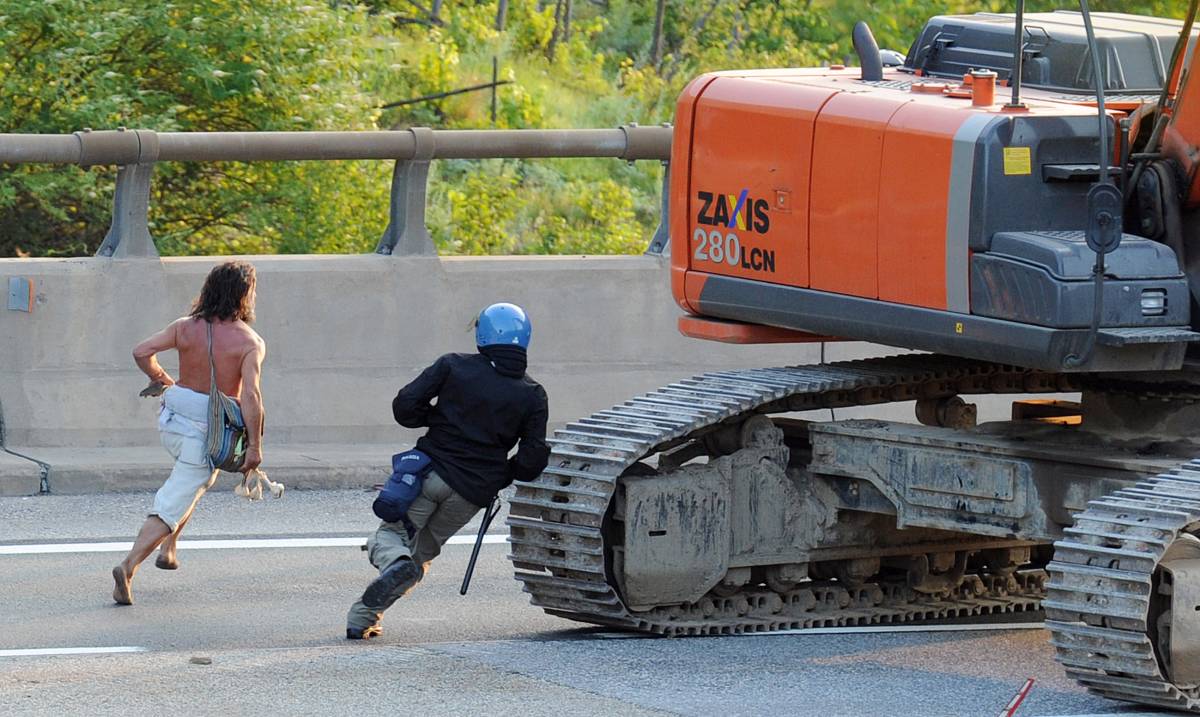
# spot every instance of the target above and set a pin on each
(485, 404)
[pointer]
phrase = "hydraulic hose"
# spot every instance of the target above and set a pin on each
(1077, 360)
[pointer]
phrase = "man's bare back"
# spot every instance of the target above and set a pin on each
(232, 342)
(238, 353)
(234, 345)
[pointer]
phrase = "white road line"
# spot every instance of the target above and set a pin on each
(40, 652)
(46, 548)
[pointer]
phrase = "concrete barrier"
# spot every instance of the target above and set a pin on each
(343, 334)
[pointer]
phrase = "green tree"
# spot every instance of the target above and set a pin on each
(210, 65)
(190, 65)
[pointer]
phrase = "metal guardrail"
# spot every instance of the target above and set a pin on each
(135, 152)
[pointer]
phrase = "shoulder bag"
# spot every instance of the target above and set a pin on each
(226, 435)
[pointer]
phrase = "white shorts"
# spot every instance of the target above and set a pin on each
(181, 428)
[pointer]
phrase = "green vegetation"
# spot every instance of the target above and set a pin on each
(223, 65)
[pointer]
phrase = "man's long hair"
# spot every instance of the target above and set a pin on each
(226, 295)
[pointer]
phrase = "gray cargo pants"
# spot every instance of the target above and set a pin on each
(437, 513)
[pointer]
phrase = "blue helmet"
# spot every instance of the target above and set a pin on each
(504, 324)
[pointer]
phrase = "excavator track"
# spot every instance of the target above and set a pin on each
(557, 521)
(1099, 598)
(1103, 581)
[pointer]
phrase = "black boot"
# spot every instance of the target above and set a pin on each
(391, 584)
(365, 633)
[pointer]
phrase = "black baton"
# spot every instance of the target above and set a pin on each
(488, 514)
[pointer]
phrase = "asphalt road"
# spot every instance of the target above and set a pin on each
(270, 621)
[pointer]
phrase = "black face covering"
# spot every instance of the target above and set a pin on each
(509, 359)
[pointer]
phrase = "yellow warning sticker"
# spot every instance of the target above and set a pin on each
(1017, 160)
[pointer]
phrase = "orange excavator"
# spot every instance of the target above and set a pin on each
(1016, 201)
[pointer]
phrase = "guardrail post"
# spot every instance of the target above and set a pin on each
(129, 233)
(406, 233)
(660, 244)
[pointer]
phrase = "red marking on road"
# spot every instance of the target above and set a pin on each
(1015, 702)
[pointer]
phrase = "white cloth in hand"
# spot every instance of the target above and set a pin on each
(251, 486)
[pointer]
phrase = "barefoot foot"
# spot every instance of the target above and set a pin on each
(162, 562)
(122, 592)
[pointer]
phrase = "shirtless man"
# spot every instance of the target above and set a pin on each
(227, 303)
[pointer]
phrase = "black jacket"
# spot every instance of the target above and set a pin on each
(479, 415)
